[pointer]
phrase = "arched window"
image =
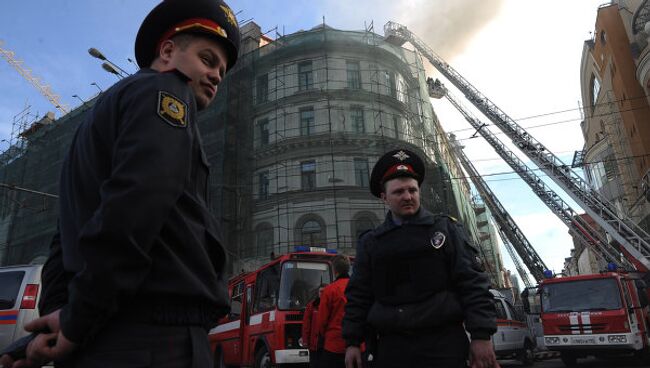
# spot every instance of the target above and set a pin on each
(310, 231)
(362, 222)
(263, 240)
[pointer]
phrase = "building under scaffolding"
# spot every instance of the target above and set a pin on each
(292, 137)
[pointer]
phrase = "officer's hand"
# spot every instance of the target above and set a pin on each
(481, 354)
(61, 349)
(47, 323)
(6, 361)
(353, 357)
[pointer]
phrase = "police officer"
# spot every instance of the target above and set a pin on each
(417, 282)
(142, 256)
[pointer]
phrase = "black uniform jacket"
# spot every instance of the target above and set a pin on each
(413, 277)
(137, 240)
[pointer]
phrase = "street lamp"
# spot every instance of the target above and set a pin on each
(111, 69)
(96, 85)
(115, 69)
(80, 99)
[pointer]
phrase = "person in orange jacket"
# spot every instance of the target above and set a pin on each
(309, 337)
(330, 315)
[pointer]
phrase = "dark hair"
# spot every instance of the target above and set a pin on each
(341, 265)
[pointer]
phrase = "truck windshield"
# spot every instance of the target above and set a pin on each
(584, 295)
(299, 283)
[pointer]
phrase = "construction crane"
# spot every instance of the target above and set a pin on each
(634, 241)
(45, 90)
(512, 236)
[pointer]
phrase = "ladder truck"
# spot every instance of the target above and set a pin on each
(599, 314)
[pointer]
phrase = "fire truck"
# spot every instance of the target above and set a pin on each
(600, 314)
(263, 328)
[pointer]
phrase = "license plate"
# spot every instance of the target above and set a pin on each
(584, 340)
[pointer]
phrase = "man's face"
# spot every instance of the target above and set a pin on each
(402, 196)
(204, 61)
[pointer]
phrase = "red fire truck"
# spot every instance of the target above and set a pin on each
(267, 305)
(600, 314)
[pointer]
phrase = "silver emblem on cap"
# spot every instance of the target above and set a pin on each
(402, 168)
(401, 155)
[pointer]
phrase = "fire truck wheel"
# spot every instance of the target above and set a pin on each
(262, 358)
(569, 359)
(527, 355)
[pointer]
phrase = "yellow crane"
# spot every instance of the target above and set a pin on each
(44, 89)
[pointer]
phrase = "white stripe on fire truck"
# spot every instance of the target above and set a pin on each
(586, 322)
(225, 327)
(256, 319)
(573, 322)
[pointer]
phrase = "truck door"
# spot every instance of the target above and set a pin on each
(247, 341)
(518, 328)
(232, 346)
(503, 327)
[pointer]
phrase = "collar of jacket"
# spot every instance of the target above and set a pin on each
(423, 217)
(345, 276)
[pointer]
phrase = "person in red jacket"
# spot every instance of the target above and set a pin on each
(330, 315)
(309, 337)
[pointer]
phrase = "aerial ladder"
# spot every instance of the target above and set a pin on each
(578, 226)
(512, 236)
(633, 240)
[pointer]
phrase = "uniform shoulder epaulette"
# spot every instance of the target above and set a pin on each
(364, 233)
(452, 218)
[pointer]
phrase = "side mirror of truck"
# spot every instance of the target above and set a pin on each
(531, 301)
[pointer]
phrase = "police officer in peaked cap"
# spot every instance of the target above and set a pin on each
(137, 278)
(416, 282)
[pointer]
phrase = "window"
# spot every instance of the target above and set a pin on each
(610, 167)
(361, 172)
(308, 175)
(354, 74)
(267, 289)
(307, 121)
(263, 192)
(311, 233)
(305, 76)
(595, 89)
(263, 240)
(236, 300)
(501, 311)
(361, 225)
(389, 80)
(356, 115)
(396, 126)
(263, 126)
(262, 88)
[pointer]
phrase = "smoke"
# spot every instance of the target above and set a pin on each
(447, 26)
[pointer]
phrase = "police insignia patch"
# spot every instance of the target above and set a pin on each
(438, 240)
(229, 15)
(172, 110)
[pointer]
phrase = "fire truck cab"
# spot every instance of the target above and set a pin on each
(600, 314)
(267, 306)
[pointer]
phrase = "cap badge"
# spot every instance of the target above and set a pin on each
(438, 240)
(401, 155)
(172, 110)
(229, 15)
(402, 168)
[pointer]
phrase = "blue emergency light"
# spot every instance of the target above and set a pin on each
(612, 267)
(548, 274)
(304, 248)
